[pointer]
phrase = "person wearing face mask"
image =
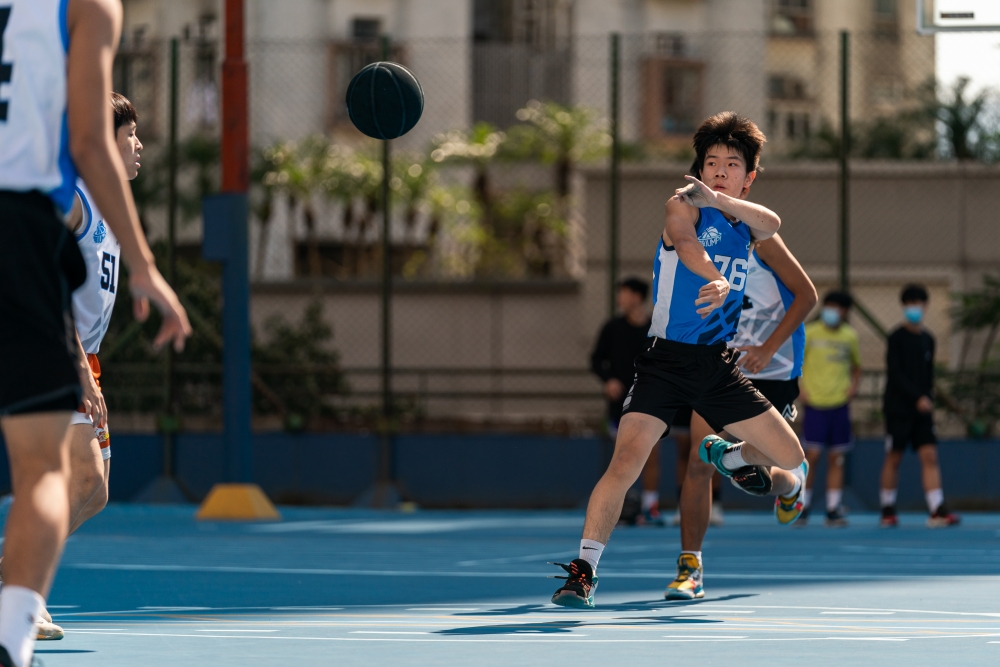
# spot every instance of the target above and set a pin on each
(831, 372)
(909, 411)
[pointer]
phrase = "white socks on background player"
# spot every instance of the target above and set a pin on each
(934, 497)
(650, 500)
(20, 609)
(590, 551)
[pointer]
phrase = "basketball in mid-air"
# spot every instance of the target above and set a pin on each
(385, 100)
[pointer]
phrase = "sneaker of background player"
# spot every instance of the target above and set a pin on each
(675, 519)
(47, 630)
(889, 517)
(942, 518)
(652, 517)
(835, 518)
(717, 518)
(687, 585)
(788, 509)
(578, 591)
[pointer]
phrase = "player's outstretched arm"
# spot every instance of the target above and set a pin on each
(94, 28)
(679, 232)
(776, 255)
(761, 219)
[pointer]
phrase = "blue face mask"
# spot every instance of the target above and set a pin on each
(913, 314)
(831, 317)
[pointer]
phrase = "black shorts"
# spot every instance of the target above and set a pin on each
(40, 270)
(671, 376)
(782, 394)
(912, 430)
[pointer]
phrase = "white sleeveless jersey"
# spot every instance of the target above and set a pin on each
(34, 139)
(95, 299)
(765, 301)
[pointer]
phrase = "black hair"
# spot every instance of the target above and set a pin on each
(732, 130)
(123, 110)
(637, 285)
(913, 293)
(838, 298)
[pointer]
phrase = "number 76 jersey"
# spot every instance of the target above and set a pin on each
(95, 299)
(675, 287)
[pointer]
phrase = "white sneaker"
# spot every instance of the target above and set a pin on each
(47, 630)
(717, 518)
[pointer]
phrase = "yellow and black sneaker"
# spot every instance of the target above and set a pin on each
(787, 509)
(578, 591)
(687, 585)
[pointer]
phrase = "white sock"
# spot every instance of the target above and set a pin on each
(650, 500)
(590, 551)
(733, 458)
(935, 498)
(833, 497)
(887, 497)
(796, 488)
(696, 554)
(807, 497)
(20, 609)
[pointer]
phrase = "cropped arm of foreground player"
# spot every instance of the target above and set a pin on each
(700, 270)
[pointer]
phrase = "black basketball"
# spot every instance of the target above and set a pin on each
(385, 100)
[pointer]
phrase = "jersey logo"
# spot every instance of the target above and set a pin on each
(100, 232)
(710, 237)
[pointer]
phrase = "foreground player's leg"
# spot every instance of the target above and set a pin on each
(38, 448)
(636, 436)
(768, 441)
(696, 511)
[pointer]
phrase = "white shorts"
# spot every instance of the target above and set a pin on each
(103, 438)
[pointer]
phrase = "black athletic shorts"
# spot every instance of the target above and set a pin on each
(913, 430)
(781, 394)
(42, 266)
(671, 376)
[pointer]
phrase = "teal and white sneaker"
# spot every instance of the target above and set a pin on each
(578, 591)
(711, 450)
(787, 509)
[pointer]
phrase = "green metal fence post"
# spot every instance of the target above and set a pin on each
(614, 179)
(845, 147)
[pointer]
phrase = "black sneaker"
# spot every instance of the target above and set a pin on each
(578, 591)
(755, 480)
(5, 660)
(889, 517)
(835, 519)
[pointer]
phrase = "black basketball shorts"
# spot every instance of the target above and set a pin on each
(913, 430)
(41, 267)
(781, 394)
(671, 376)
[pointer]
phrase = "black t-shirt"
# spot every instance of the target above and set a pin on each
(909, 370)
(617, 347)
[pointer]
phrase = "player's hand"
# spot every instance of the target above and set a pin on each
(712, 294)
(93, 399)
(613, 390)
(697, 194)
(925, 404)
(755, 358)
(148, 285)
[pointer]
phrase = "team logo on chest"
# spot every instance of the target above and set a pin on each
(710, 237)
(100, 232)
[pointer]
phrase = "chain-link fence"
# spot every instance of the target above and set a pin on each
(501, 224)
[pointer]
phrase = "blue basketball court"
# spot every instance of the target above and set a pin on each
(143, 585)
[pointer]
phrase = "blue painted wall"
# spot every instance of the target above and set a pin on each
(497, 470)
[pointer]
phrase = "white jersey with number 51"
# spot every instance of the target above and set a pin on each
(95, 299)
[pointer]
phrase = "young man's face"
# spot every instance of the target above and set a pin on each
(129, 147)
(725, 170)
(627, 300)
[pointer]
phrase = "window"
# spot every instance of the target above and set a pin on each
(366, 30)
(781, 87)
(671, 97)
(792, 17)
(886, 24)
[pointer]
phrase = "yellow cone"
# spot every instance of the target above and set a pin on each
(237, 502)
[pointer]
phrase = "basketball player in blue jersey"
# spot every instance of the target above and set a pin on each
(55, 67)
(776, 301)
(700, 272)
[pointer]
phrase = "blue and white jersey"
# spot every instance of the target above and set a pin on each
(676, 287)
(765, 302)
(95, 299)
(34, 139)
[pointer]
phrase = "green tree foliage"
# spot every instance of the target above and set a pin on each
(975, 387)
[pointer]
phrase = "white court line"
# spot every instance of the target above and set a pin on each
(385, 632)
(443, 609)
(305, 608)
(235, 630)
(715, 611)
(62, 606)
(234, 569)
(860, 613)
